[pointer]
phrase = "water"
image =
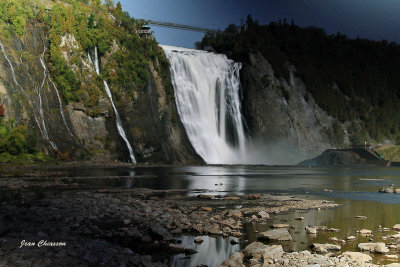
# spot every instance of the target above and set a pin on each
(356, 188)
(46, 72)
(118, 121)
(207, 96)
(43, 130)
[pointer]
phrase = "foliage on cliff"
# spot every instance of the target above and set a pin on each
(354, 80)
(17, 144)
(75, 28)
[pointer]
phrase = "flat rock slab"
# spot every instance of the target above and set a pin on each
(324, 248)
(357, 256)
(379, 247)
(280, 234)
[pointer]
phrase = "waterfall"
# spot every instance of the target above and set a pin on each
(42, 126)
(118, 119)
(207, 97)
(57, 93)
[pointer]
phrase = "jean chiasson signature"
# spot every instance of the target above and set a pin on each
(42, 243)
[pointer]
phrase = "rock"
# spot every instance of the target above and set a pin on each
(299, 218)
(379, 247)
(336, 240)
(263, 215)
(235, 213)
(357, 256)
(206, 196)
(254, 196)
(364, 232)
(397, 190)
(385, 229)
(176, 249)
(198, 227)
(323, 248)
(311, 230)
(213, 229)
(333, 230)
(160, 232)
(391, 257)
(361, 217)
(206, 208)
(327, 190)
(280, 234)
(351, 238)
(198, 240)
(395, 236)
(389, 190)
(254, 250)
(127, 221)
(232, 198)
(396, 227)
(272, 252)
(234, 242)
(235, 260)
(189, 251)
(280, 225)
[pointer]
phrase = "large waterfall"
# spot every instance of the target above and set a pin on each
(207, 96)
(118, 121)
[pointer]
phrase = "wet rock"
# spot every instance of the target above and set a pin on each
(361, 217)
(311, 230)
(336, 240)
(391, 257)
(234, 242)
(364, 232)
(235, 213)
(357, 256)
(254, 196)
(206, 196)
(280, 234)
(213, 229)
(176, 249)
(379, 247)
(206, 208)
(280, 225)
(254, 250)
(232, 198)
(189, 251)
(389, 190)
(324, 248)
(235, 260)
(198, 240)
(160, 232)
(263, 215)
(351, 238)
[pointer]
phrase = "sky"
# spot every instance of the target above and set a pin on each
(371, 19)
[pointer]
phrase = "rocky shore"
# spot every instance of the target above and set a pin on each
(54, 224)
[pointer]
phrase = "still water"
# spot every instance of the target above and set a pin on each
(356, 188)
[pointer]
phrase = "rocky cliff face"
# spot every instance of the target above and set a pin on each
(283, 114)
(72, 131)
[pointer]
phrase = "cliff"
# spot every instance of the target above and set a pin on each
(48, 83)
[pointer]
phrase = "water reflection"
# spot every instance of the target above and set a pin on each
(212, 252)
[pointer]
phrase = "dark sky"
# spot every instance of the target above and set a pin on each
(372, 19)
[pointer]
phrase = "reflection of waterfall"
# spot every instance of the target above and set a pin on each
(207, 96)
(42, 125)
(118, 119)
(212, 252)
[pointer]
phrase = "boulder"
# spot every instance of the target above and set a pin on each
(324, 248)
(280, 234)
(272, 252)
(254, 250)
(357, 256)
(235, 213)
(280, 225)
(235, 260)
(311, 230)
(379, 247)
(365, 232)
(396, 227)
(263, 214)
(254, 196)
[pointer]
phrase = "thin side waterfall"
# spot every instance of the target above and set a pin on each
(118, 119)
(57, 93)
(207, 96)
(42, 126)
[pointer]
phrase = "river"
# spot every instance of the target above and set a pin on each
(356, 188)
